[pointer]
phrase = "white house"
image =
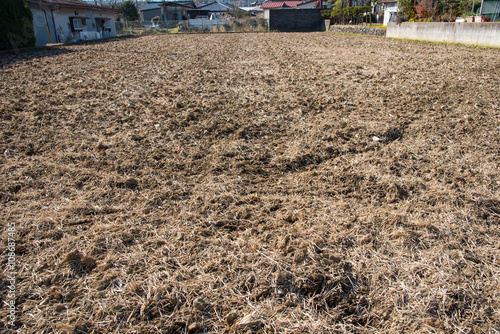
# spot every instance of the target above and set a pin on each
(390, 11)
(59, 21)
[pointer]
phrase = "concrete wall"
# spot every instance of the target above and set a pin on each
(294, 19)
(485, 34)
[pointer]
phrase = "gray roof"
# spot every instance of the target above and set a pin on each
(156, 4)
(308, 4)
(151, 5)
(216, 7)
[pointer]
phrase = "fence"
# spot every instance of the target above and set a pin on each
(142, 27)
(204, 24)
(192, 25)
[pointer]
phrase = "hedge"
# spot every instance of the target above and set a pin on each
(350, 14)
(16, 25)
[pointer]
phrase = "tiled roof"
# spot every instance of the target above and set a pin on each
(280, 4)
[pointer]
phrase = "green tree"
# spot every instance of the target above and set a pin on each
(129, 11)
(337, 4)
(16, 25)
(406, 8)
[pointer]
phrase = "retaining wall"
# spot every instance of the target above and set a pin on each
(358, 30)
(484, 34)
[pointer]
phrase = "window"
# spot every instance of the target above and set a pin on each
(77, 24)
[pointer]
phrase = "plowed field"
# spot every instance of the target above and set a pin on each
(280, 182)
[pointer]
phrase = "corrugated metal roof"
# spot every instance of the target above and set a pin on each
(251, 9)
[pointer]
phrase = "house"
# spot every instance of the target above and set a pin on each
(216, 7)
(154, 8)
(151, 9)
(390, 11)
(59, 21)
(178, 10)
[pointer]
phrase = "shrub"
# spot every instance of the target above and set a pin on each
(16, 25)
(262, 22)
(347, 15)
(425, 9)
(406, 8)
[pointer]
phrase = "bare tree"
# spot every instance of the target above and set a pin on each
(108, 3)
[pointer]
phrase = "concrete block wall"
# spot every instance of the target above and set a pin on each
(358, 30)
(484, 34)
(295, 19)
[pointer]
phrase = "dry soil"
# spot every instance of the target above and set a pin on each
(279, 182)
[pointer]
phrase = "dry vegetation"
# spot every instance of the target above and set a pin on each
(304, 183)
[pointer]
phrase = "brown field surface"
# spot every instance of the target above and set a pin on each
(271, 183)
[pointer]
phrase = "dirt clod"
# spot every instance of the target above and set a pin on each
(231, 317)
(280, 277)
(200, 304)
(194, 327)
(74, 257)
(88, 263)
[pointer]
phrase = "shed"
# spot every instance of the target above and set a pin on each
(151, 9)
